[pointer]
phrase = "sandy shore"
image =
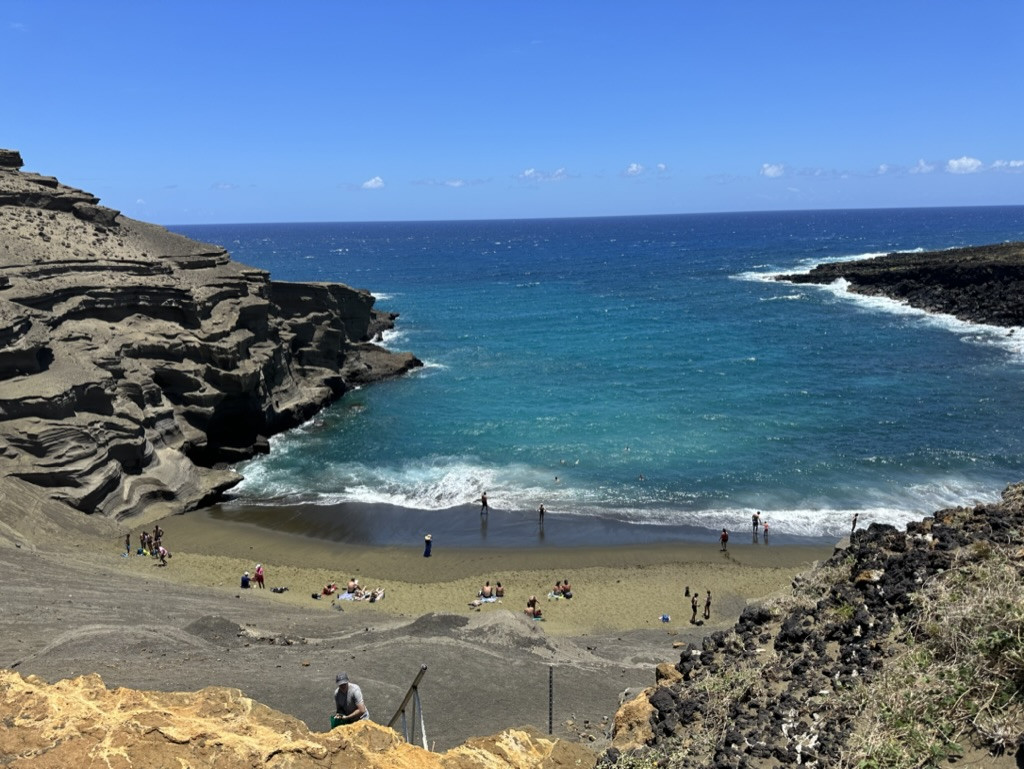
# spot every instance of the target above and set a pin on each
(75, 604)
(625, 587)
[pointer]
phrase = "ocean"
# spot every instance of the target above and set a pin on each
(645, 378)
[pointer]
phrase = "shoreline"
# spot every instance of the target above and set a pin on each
(617, 587)
(386, 525)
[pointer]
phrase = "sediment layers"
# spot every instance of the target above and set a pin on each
(136, 363)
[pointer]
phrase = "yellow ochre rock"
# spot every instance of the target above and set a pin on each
(79, 722)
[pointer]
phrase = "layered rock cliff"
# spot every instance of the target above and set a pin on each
(978, 284)
(136, 363)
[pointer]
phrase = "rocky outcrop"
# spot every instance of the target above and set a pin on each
(794, 681)
(979, 284)
(136, 363)
(81, 723)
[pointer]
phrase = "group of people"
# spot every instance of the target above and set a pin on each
(353, 592)
(258, 577)
(488, 594)
(149, 544)
(695, 604)
(562, 589)
(356, 592)
(758, 525)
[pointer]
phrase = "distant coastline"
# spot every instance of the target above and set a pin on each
(977, 284)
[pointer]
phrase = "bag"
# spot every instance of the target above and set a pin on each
(336, 720)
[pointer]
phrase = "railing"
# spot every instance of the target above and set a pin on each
(417, 712)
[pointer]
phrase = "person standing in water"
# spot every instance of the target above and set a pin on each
(483, 503)
(427, 542)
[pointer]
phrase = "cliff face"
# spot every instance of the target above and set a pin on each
(134, 361)
(979, 284)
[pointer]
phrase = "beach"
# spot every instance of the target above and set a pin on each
(78, 605)
(615, 587)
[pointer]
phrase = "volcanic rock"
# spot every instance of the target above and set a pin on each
(135, 364)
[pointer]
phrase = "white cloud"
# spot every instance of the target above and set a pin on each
(372, 184)
(1009, 165)
(455, 183)
(533, 175)
(634, 169)
(773, 170)
(922, 167)
(964, 165)
(883, 169)
(662, 168)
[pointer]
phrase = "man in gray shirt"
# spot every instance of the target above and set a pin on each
(348, 700)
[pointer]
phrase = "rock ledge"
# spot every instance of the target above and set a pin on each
(135, 364)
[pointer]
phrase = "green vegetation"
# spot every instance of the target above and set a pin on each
(958, 675)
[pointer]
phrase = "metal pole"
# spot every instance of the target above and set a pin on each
(551, 698)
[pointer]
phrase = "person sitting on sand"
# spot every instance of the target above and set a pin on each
(330, 588)
(487, 591)
(245, 580)
(532, 609)
(566, 589)
(556, 591)
(353, 585)
(499, 591)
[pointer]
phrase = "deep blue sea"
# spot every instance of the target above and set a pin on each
(647, 370)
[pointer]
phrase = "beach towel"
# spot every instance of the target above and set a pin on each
(346, 596)
(492, 599)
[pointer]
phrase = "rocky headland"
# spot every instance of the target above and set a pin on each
(977, 284)
(135, 364)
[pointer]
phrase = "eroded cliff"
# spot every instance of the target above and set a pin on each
(81, 723)
(136, 363)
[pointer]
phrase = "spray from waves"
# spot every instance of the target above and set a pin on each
(767, 273)
(442, 483)
(1009, 339)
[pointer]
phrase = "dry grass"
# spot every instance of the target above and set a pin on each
(958, 677)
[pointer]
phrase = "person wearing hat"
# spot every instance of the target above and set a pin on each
(427, 542)
(245, 580)
(348, 700)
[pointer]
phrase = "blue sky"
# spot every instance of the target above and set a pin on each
(200, 112)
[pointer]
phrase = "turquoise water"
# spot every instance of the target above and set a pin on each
(646, 370)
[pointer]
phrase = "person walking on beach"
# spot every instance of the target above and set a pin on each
(128, 543)
(724, 539)
(707, 606)
(693, 608)
(483, 503)
(427, 542)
